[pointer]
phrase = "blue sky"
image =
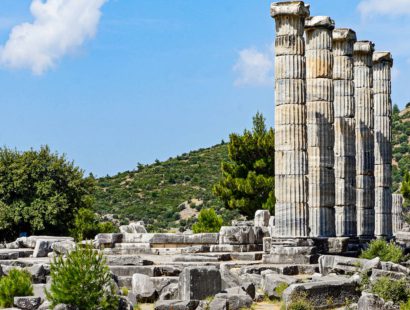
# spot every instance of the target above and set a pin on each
(152, 79)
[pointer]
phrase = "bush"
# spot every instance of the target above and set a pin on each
(87, 225)
(388, 252)
(16, 283)
(83, 280)
(208, 222)
(390, 289)
(299, 302)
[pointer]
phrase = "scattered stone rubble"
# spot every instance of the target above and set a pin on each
(332, 188)
(223, 270)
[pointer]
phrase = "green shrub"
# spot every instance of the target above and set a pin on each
(87, 225)
(208, 222)
(390, 289)
(281, 288)
(299, 302)
(83, 280)
(16, 283)
(388, 252)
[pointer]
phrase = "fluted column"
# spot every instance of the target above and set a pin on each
(291, 211)
(397, 213)
(382, 63)
(320, 132)
(345, 136)
(363, 79)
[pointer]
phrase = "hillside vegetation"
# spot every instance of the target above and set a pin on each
(168, 195)
(165, 194)
(401, 144)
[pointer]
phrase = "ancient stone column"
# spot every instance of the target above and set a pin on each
(382, 63)
(320, 118)
(397, 212)
(291, 212)
(344, 126)
(363, 80)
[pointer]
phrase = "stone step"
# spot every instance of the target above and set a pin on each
(289, 270)
(159, 282)
(151, 271)
(7, 254)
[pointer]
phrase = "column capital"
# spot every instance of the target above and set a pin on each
(364, 47)
(313, 22)
(384, 57)
(298, 8)
(344, 34)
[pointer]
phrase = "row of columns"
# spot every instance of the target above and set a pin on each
(333, 129)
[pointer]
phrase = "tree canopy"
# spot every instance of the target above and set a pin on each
(40, 192)
(248, 177)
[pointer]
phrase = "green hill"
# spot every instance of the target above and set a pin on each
(165, 194)
(401, 144)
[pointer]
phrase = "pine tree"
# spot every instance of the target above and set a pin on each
(248, 177)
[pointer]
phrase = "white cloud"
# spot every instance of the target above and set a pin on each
(384, 7)
(59, 27)
(254, 67)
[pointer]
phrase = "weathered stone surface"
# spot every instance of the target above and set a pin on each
(236, 301)
(320, 292)
(143, 287)
(290, 255)
(176, 305)
(397, 212)
(196, 283)
(270, 281)
(38, 273)
(219, 304)
(43, 247)
(262, 218)
(107, 240)
(134, 228)
(346, 265)
(371, 301)
(63, 247)
(377, 273)
(127, 260)
(237, 235)
(27, 303)
(169, 292)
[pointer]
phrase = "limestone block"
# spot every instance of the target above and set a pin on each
(324, 157)
(345, 166)
(320, 135)
(143, 288)
(365, 198)
(134, 228)
(296, 8)
(319, 64)
(383, 175)
(289, 45)
(321, 194)
(383, 224)
(290, 67)
(236, 301)
(290, 114)
(345, 191)
(345, 265)
(291, 219)
(345, 219)
(43, 247)
(290, 91)
(290, 137)
(27, 303)
(344, 106)
(262, 218)
(107, 240)
(382, 86)
(319, 89)
(372, 301)
(382, 153)
(290, 163)
(321, 220)
(343, 41)
(291, 188)
(289, 255)
(318, 293)
(343, 87)
(382, 127)
(364, 182)
(63, 247)
(176, 305)
(196, 283)
(364, 161)
(127, 260)
(343, 69)
(363, 77)
(319, 112)
(345, 142)
(365, 221)
(270, 281)
(237, 235)
(383, 200)
(382, 105)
